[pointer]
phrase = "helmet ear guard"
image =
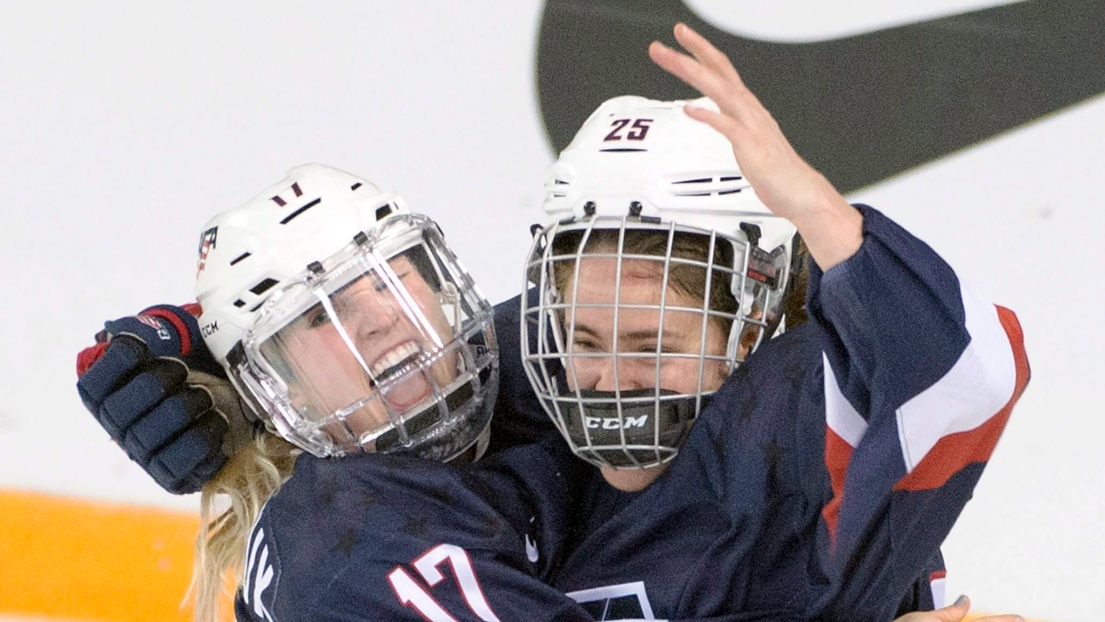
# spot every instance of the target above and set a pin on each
(235, 362)
(764, 290)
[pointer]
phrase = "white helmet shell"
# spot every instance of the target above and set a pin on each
(247, 251)
(649, 152)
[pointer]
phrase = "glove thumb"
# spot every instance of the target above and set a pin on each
(228, 403)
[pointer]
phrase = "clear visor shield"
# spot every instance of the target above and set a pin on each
(380, 348)
(636, 325)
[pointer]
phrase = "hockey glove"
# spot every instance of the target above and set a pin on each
(151, 382)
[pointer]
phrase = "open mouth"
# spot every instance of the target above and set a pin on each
(395, 362)
(402, 388)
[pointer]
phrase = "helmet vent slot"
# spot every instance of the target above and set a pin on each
(555, 193)
(355, 186)
(239, 303)
(299, 211)
(240, 257)
(621, 150)
(263, 286)
(708, 186)
(383, 211)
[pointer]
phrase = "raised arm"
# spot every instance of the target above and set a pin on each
(920, 373)
(789, 186)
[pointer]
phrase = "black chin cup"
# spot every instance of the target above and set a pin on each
(636, 428)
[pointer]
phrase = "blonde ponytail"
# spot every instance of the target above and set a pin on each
(253, 475)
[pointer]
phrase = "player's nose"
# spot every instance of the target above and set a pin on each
(617, 373)
(370, 315)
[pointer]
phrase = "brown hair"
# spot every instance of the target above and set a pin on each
(793, 307)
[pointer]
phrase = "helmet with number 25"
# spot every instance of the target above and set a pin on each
(346, 322)
(658, 271)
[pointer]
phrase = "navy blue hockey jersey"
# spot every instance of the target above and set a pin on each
(376, 537)
(822, 478)
(800, 494)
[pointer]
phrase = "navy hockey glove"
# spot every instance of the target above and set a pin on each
(151, 382)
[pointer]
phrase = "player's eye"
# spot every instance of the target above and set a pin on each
(317, 317)
(584, 344)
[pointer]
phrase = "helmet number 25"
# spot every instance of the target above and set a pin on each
(637, 129)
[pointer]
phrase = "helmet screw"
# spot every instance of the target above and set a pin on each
(589, 208)
(635, 208)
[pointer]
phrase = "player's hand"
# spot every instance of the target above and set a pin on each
(954, 613)
(153, 385)
(789, 186)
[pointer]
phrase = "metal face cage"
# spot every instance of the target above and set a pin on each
(637, 323)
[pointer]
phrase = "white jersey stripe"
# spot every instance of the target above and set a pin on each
(977, 387)
(840, 415)
(938, 585)
(256, 537)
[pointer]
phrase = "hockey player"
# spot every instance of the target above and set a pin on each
(656, 572)
(825, 472)
(352, 329)
(362, 536)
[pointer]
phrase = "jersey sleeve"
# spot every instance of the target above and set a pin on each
(927, 591)
(920, 378)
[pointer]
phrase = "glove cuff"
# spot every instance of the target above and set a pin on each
(172, 315)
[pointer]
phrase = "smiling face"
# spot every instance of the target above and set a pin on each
(371, 351)
(651, 338)
(644, 328)
(645, 323)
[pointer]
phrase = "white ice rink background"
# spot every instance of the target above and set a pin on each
(125, 125)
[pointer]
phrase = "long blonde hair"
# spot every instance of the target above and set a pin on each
(251, 476)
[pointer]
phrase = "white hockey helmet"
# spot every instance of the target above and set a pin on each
(345, 320)
(643, 183)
